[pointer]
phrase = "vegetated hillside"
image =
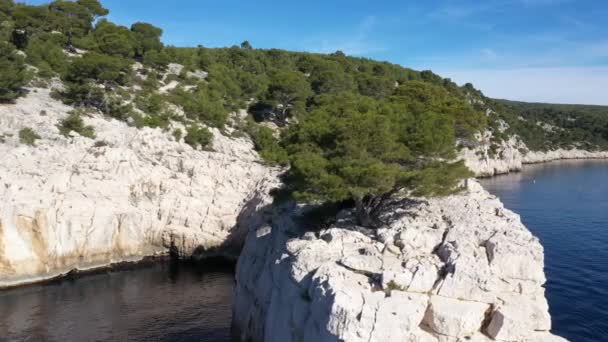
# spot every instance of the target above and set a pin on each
(351, 129)
(544, 126)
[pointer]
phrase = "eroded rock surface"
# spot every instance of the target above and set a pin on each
(461, 268)
(77, 203)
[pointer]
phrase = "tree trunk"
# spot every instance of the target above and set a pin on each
(364, 217)
(368, 208)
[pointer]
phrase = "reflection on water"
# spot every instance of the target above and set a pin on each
(565, 204)
(162, 302)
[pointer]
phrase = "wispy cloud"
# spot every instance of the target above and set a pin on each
(359, 43)
(489, 54)
(542, 2)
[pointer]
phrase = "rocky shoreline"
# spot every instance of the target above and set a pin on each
(512, 155)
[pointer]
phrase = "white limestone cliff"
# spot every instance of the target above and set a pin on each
(460, 268)
(77, 203)
(511, 155)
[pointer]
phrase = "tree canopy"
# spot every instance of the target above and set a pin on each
(362, 149)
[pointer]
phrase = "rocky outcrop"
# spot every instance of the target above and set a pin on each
(460, 268)
(506, 158)
(77, 203)
(511, 155)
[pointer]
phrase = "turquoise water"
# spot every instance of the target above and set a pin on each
(565, 204)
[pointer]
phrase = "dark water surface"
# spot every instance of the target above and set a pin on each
(565, 204)
(160, 302)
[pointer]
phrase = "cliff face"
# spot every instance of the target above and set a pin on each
(72, 203)
(512, 154)
(452, 269)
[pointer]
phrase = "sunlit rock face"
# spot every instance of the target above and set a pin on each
(78, 203)
(460, 268)
(510, 155)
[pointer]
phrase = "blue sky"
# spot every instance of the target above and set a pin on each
(533, 50)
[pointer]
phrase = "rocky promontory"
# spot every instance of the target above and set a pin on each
(459, 268)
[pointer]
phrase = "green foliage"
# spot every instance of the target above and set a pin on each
(202, 105)
(28, 136)
(113, 40)
(359, 148)
(74, 123)
(246, 45)
(267, 144)
(147, 39)
(330, 78)
(156, 59)
(392, 286)
(287, 94)
(74, 19)
(115, 108)
(198, 136)
(83, 94)
(421, 97)
(6, 9)
(374, 86)
(45, 53)
(177, 134)
(99, 68)
(13, 73)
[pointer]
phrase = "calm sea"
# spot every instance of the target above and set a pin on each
(161, 302)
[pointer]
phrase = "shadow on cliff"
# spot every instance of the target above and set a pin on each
(253, 215)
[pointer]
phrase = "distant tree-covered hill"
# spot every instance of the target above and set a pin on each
(545, 126)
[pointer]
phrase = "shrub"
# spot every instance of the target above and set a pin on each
(100, 68)
(177, 134)
(113, 39)
(13, 73)
(100, 143)
(75, 123)
(198, 135)
(46, 54)
(28, 136)
(83, 94)
(267, 145)
(116, 109)
(202, 106)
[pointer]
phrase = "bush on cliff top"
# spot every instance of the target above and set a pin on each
(28, 136)
(74, 123)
